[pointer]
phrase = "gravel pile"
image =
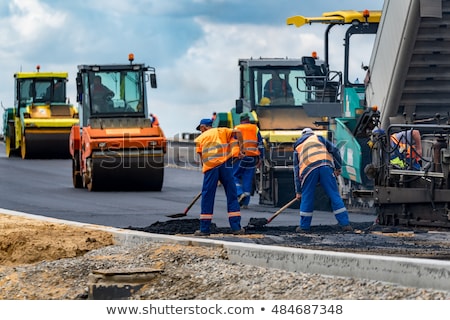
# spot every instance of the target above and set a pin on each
(191, 273)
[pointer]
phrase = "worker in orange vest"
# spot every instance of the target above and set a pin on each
(244, 169)
(407, 149)
(277, 87)
(155, 121)
(213, 147)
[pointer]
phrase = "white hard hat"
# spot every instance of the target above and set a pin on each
(307, 131)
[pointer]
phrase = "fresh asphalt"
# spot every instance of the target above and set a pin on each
(44, 187)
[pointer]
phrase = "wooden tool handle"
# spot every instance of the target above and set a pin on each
(193, 201)
(287, 205)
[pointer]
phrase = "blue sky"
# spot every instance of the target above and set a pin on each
(193, 44)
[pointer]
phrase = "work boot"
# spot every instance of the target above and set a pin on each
(300, 230)
(347, 228)
(238, 232)
(241, 199)
(199, 233)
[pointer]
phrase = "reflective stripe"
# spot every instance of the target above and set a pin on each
(234, 214)
(206, 216)
(343, 209)
(214, 151)
(306, 214)
(234, 145)
(249, 139)
(214, 146)
(283, 85)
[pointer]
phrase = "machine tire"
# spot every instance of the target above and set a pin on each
(10, 149)
(77, 179)
(90, 184)
(156, 182)
(23, 148)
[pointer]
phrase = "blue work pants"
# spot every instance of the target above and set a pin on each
(224, 174)
(325, 176)
(244, 173)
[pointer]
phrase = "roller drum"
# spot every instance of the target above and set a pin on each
(126, 173)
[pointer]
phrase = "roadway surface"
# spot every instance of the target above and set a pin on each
(44, 187)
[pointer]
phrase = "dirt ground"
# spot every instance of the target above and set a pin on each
(24, 240)
(53, 261)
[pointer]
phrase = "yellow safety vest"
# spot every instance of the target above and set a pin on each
(312, 154)
(403, 147)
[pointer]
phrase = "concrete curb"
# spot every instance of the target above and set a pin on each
(419, 273)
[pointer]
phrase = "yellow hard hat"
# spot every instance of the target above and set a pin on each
(264, 101)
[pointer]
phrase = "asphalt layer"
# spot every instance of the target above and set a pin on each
(366, 238)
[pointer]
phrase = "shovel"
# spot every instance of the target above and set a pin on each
(184, 214)
(260, 222)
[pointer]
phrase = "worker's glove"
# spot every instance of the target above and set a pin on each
(337, 172)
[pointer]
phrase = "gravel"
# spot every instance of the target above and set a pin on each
(192, 273)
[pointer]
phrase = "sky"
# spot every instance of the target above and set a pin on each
(194, 45)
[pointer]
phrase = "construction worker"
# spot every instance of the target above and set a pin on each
(317, 160)
(155, 121)
(407, 149)
(101, 96)
(244, 169)
(277, 87)
(213, 146)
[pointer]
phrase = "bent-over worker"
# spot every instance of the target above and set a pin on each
(214, 148)
(317, 160)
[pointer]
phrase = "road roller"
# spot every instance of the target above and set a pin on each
(115, 146)
(39, 123)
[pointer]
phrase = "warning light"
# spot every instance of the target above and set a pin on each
(38, 67)
(131, 57)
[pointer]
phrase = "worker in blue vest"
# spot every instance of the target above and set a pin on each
(213, 146)
(317, 160)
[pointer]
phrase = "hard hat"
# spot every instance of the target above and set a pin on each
(307, 131)
(264, 101)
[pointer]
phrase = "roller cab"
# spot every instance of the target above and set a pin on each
(115, 147)
(276, 93)
(39, 124)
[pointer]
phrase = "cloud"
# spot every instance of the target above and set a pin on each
(31, 18)
(193, 44)
(207, 74)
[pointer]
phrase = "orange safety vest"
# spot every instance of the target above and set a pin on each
(155, 121)
(312, 154)
(214, 147)
(249, 139)
(283, 85)
(411, 153)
